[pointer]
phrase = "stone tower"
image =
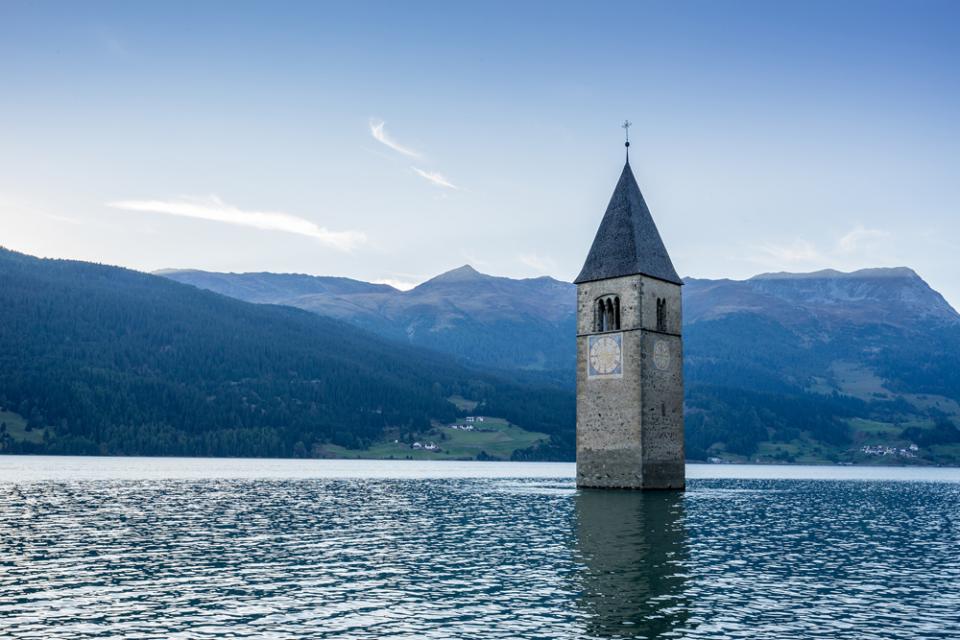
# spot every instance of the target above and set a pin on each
(629, 353)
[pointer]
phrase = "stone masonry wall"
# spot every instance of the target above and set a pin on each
(662, 388)
(630, 429)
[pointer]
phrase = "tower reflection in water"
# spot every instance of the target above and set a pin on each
(632, 547)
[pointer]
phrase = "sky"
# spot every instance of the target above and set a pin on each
(393, 141)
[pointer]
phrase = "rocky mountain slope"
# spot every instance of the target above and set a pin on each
(486, 320)
(822, 365)
(780, 366)
(527, 324)
(895, 296)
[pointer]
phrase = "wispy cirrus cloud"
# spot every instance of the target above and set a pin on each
(380, 135)
(797, 252)
(53, 216)
(435, 178)
(539, 263)
(215, 209)
(860, 245)
(860, 236)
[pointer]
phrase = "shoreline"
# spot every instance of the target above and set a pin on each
(17, 469)
(703, 463)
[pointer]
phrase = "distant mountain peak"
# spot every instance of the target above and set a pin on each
(829, 274)
(460, 274)
(895, 296)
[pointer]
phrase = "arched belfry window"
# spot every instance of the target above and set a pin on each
(607, 314)
(661, 314)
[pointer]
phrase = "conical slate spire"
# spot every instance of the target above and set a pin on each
(627, 242)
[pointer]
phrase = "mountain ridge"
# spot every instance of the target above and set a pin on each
(473, 301)
(474, 316)
(112, 361)
(778, 366)
(867, 272)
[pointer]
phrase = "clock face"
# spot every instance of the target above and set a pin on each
(661, 355)
(605, 356)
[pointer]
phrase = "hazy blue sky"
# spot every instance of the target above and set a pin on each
(394, 141)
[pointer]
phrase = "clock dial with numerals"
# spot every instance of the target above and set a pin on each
(605, 356)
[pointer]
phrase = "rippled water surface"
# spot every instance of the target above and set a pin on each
(138, 548)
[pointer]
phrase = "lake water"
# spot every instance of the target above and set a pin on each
(200, 548)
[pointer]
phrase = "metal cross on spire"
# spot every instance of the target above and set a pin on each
(626, 132)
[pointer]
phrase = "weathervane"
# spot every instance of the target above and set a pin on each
(626, 132)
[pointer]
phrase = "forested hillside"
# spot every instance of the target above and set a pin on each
(805, 367)
(98, 359)
(826, 365)
(784, 367)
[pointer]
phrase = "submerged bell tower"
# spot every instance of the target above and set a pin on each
(629, 352)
